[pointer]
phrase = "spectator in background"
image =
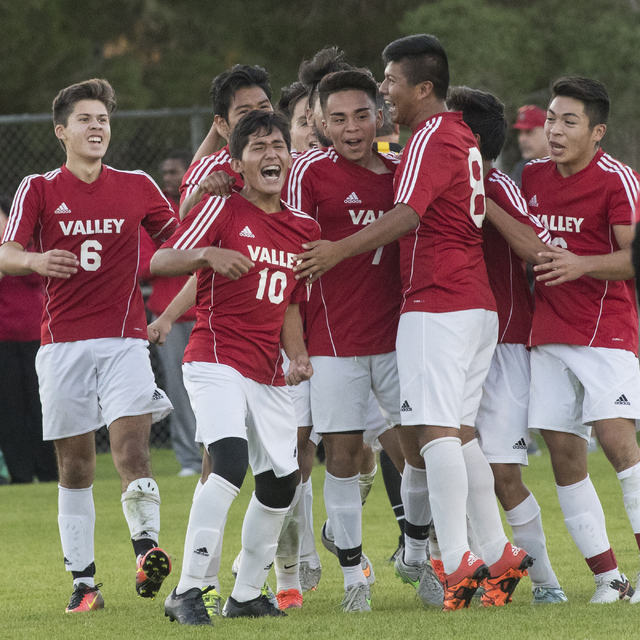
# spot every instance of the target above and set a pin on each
(388, 135)
(182, 422)
(531, 138)
(21, 301)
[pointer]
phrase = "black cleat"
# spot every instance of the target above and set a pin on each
(256, 608)
(187, 608)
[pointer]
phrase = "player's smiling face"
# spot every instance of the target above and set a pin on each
(244, 100)
(265, 162)
(572, 142)
(399, 94)
(87, 133)
(351, 120)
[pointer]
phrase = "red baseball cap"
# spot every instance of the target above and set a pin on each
(530, 117)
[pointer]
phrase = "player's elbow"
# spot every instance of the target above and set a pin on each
(161, 263)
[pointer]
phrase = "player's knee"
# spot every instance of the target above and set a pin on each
(274, 492)
(230, 459)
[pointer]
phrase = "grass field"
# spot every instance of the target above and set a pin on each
(34, 588)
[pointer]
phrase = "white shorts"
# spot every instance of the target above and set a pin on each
(502, 419)
(228, 405)
(340, 390)
(89, 383)
(443, 360)
(573, 386)
(376, 425)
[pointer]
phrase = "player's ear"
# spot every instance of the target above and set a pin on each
(326, 129)
(223, 126)
(477, 137)
(598, 132)
(424, 89)
(236, 165)
(310, 118)
(379, 119)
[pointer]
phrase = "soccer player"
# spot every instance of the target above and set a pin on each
(352, 312)
(448, 325)
(501, 423)
(584, 366)
(93, 366)
(234, 93)
(243, 249)
(293, 104)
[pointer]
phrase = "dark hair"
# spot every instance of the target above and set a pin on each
(423, 59)
(94, 89)
(352, 80)
(5, 204)
(240, 76)
(290, 97)
(182, 155)
(326, 61)
(592, 93)
(484, 114)
(260, 122)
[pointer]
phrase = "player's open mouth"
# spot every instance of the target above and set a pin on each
(272, 172)
(557, 148)
(95, 139)
(353, 143)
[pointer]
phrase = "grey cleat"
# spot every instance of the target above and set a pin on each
(548, 595)
(309, 578)
(187, 608)
(357, 598)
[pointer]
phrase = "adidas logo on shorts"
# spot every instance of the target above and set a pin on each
(521, 444)
(156, 396)
(622, 400)
(352, 199)
(246, 233)
(406, 406)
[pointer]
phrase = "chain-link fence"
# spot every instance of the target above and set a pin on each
(139, 140)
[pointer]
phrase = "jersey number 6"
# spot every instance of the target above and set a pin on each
(90, 259)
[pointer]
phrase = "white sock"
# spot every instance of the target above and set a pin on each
(526, 523)
(434, 546)
(76, 521)
(584, 517)
(444, 461)
(344, 508)
(141, 507)
(286, 563)
(630, 483)
(415, 498)
(308, 551)
(482, 504)
(365, 482)
(260, 532)
(208, 515)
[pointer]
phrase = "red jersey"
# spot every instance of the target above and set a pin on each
(440, 178)
(353, 309)
(101, 224)
(239, 321)
(580, 211)
(21, 301)
(198, 171)
(506, 270)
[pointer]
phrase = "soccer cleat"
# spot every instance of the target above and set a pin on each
(357, 597)
(309, 578)
(266, 590)
(85, 598)
(256, 608)
(505, 575)
(635, 598)
(289, 599)
(460, 585)
(548, 595)
(423, 579)
(151, 570)
(438, 567)
(611, 590)
(367, 569)
(408, 573)
(329, 544)
(212, 601)
(187, 608)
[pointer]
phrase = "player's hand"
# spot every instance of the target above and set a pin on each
(229, 263)
(218, 183)
(158, 331)
(320, 256)
(300, 369)
(55, 263)
(562, 266)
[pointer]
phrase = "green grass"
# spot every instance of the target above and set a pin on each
(34, 588)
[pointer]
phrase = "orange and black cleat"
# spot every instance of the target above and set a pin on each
(151, 570)
(289, 599)
(85, 598)
(460, 585)
(505, 575)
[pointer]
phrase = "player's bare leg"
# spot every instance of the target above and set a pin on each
(129, 438)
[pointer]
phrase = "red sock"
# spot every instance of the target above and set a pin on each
(603, 562)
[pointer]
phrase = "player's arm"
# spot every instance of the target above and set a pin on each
(521, 237)
(564, 266)
(218, 183)
(55, 263)
(292, 339)
(159, 329)
(176, 262)
(322, 255)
